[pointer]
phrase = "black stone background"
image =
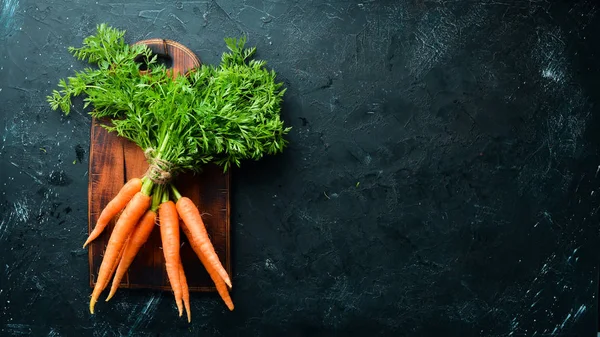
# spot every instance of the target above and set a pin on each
(442, 175)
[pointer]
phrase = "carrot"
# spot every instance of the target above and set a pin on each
(196, 246)
(123, 228)
(112, 271)
(186, 292)
(218, 281)
(223, 292)
(136, 240)
(127, 192)
(198, 236)
(169, 233)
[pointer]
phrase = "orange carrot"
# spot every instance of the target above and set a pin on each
(123, 228)
(127, 192)
(169, 233)
(198, 236)
(210, 268)
(218, 281)
(112, 271)
(219, 284)
(185, 292)
(136, 240)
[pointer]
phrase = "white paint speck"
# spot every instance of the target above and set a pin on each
(553, 75)
(22, 209)
(270, 265)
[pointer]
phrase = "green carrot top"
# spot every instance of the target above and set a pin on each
(222, 114)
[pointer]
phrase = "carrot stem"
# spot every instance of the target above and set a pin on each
(147, 186)
(156, 198)
(176, 193)
(164, 143)
(165, 195)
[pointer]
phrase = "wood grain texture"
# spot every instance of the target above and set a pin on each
(115, 160)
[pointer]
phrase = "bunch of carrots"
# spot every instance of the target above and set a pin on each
(215, 114)
(140, 212)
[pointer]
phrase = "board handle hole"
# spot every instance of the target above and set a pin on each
(165, 60)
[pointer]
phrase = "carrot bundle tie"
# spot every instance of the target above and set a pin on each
(159, 170)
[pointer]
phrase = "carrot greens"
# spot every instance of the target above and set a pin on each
(222, 114)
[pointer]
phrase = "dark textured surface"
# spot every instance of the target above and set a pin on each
(442, 174)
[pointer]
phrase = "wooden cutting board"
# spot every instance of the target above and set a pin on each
(115, 160)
